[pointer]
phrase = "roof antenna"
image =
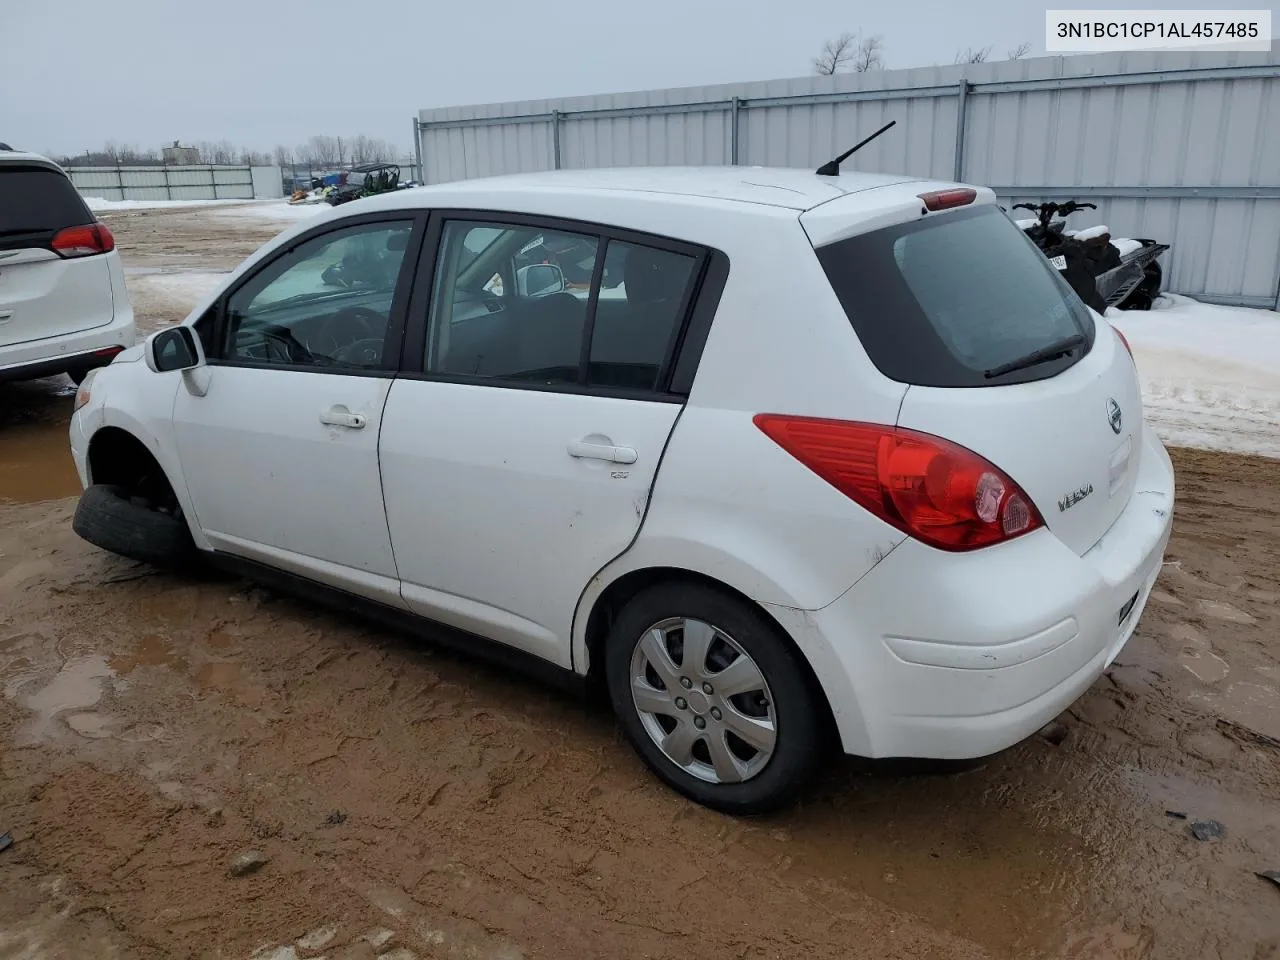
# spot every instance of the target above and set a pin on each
(832, 167)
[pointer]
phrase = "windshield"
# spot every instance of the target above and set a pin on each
(944, 300)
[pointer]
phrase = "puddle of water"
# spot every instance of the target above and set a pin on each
(219, 638)
(1224, 611)
(37, 464)
(217, 675)
(92, 725)
(1205, 665)
(77, 686)
(152, 650)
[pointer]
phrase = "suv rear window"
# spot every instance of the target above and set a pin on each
(941, 301)
(37, 200)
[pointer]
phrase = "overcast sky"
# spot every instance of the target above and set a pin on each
(267, 72)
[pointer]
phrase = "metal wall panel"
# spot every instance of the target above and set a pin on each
(204, 182)
(1182, 147)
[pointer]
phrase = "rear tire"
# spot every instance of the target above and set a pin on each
(109, 518)
(689, 735)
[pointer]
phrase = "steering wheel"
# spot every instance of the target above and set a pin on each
(362, 353)
(294, 351)
(348, 326)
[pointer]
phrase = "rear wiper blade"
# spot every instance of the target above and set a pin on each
(1053, 351)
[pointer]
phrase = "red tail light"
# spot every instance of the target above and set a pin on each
(1125, 341)
(946, 199)
(83, 241)
(934, 490)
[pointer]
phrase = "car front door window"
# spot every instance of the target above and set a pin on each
(326, 304)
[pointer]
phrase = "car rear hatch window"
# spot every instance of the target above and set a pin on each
(966, 311)
(957, 299)
(35, 203)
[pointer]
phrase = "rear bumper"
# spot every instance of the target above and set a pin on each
(47, 358)
(962, 655)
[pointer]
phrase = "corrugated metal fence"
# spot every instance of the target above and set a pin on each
(202, 182)
(1181, 147)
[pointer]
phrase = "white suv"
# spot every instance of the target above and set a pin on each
(810, 455)
(63, 305)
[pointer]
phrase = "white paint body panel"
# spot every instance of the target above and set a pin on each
(496, 528)
(269, 481)
(461, 502)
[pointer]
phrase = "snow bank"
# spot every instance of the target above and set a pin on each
(186, 288)
(1210, 375)
(280, 210)
(97, 204)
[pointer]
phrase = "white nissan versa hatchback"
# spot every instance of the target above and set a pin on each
(794, 455)
(63, 305)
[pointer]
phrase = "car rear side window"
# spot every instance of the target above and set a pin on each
(945, 300)
(36, 201)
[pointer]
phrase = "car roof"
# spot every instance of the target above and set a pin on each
(29, 159)
(787, 188)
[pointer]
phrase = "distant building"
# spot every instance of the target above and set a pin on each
(178, 154)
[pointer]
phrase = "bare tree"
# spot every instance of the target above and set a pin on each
(850, 52)
(870, 55)
(283, 155)
(370, 150)
(1020, 51)
(320, 151)
(974, 55)
(835, 54)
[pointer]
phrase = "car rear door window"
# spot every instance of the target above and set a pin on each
(502, 306)
(944, 300)
(526, 303)
(638, 319)
(35, 203)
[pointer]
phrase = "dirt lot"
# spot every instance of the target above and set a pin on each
(413, 803)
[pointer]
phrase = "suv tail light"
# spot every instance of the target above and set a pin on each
(84, 241)
(932, 489)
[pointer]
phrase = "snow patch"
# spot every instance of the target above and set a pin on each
(189, 288)
(281, 210)
(98, 204)
(1210, 375)
(1126, 247)
(1088, 233)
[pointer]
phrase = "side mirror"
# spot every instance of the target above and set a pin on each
(176, 348)
(539, 280)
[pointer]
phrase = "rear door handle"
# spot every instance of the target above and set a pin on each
(585, 450)
(6, 316)
(340, 416)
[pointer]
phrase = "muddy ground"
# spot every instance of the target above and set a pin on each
(414, 803)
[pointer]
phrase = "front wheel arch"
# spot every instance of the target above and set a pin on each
(117, 458)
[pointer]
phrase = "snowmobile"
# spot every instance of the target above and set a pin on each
(1120, 273)
(366, 180)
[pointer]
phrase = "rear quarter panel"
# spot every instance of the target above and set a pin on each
(728, 502)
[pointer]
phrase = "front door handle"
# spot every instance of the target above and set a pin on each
(586, 450)
(6, 316)
(340, 416)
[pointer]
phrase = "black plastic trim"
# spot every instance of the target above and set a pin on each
(39, 369)
(485, 648)
(706, 302)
